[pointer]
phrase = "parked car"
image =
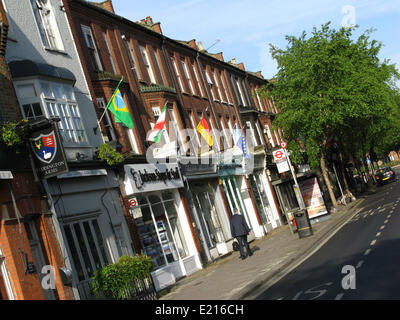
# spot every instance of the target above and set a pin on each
(384, 175)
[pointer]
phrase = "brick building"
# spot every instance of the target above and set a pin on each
(27, 237)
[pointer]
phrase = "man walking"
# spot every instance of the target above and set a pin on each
(240, 230)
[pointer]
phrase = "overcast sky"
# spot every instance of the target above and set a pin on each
(247, 27)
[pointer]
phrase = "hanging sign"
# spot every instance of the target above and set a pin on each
(279, 155)
(48, 152)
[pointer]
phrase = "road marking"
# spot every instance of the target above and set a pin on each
(382, 227)
(373, 242)
(359, 264)
(367, 252)
(378, 234)
(386, 221)
(339, 296)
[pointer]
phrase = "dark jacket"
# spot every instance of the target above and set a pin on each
(239, 226)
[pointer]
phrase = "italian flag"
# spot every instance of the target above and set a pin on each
(158, 128)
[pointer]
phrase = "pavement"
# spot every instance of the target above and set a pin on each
(231, 278)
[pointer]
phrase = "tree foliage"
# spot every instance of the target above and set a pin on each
(331, 86)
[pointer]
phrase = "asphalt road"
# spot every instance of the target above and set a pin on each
(361, 261)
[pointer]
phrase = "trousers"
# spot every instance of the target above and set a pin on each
(242, 241)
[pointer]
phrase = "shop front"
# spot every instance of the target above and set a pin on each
(210, 213)
(162, 222)
(232, 180)
(263, 196)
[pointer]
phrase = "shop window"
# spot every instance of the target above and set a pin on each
(159, 229)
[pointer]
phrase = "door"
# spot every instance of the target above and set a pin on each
(38, 256)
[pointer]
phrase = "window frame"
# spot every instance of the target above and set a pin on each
(147, 63)
(47, 25)
(87, 31)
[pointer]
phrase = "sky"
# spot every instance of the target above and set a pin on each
(246, 28)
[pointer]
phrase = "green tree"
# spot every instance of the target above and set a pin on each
(330, 86)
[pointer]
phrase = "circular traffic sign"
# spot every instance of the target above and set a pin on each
(279, 154)
(132, 203)
(283, 144)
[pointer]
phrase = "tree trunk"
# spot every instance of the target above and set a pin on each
(327, 180)
(346, 183)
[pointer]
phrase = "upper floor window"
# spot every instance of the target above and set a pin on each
(187, 74)
(46, 23)
(159, 67)
(87, 34)
(109, 134)
(177, 73)
(217, 86)
(241, 96)
(147, 64)
(133, 59)
(259, 100)
(198, 80)
(109, 53)
(224, 88)
(210, 83)
(52, 99)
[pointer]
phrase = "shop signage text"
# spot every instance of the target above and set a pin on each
(152, 177)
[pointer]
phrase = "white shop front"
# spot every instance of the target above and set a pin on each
(162, 221)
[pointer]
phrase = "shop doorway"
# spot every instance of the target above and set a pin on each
(209, 215)
(261, 200)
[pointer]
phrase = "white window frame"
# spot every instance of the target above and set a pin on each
(188, 78)
(240, 91)
(91, 45)
(6, 277)
(210, 83)
(217, 86)
(47, 24)
(134, 61)
(259, 100)
(253, 137)
(177, 73)
(198, 80)
(64, 107)
(158, 61)
(106, 119)
(109, 52)
(271, 140)
(147, 63)
(196, 133)
(224, 87)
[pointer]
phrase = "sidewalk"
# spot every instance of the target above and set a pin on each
(233, 279)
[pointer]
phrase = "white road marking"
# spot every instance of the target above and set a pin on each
(378, 234)
(382, 227)
(373, 242)
(339, 296)
(367, 252)
(359, 264)
(386, 221)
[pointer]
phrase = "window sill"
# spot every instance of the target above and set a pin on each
(56, 51)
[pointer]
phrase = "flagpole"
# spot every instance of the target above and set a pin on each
(105, 109)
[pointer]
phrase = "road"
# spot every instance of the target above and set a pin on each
(361, 261)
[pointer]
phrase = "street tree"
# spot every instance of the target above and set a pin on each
(330, 85)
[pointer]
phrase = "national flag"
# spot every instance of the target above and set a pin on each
(204, 129)
(118, 107)
(158, 128)
(240, 141)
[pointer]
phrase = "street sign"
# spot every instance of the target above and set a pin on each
(279, 155)
(283, 144)
(282, 166)
(132, 202)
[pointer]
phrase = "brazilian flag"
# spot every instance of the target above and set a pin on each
(118, 107)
